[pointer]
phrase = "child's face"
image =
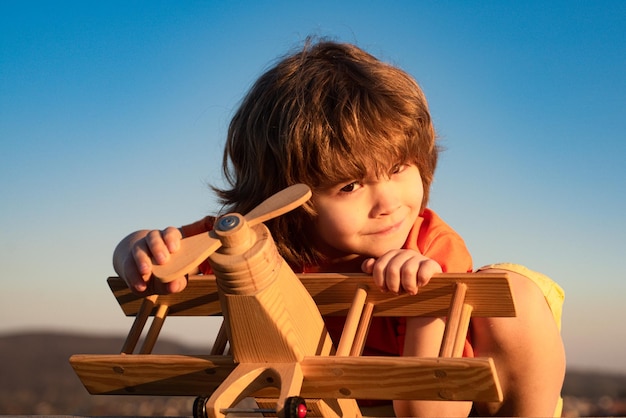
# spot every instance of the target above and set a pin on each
(370, 216)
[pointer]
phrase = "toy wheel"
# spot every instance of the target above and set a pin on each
(295, 407)
(199, 407)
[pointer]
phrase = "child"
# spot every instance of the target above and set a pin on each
(359, 133)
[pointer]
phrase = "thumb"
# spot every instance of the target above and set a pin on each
(367, 266)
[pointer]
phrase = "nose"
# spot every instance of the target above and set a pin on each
(386, 198)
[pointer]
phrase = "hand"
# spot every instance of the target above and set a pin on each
(138, 251)
(401, 270)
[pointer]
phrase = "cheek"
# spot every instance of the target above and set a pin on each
(333, 225)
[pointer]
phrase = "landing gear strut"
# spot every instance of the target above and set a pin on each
(295, 407)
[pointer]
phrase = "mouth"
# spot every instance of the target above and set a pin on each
(388, 229)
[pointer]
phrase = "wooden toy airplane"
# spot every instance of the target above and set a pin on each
(280, 351)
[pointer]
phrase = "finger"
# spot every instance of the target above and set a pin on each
(134, 276)
(141, 257)
(157, 287)
(177, 285)
(427, 269)
(171, 237)
(367, 266)
(408, 275)
(156, 247)
(378, 271)
(401, 271)
(386, 271)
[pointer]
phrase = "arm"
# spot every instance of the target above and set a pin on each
(444, 248)
(423, 338)
(407, 270)
(527, 350)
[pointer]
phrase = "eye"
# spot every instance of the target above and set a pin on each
(349, 188)
(398, 168)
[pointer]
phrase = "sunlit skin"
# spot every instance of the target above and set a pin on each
(368, 220)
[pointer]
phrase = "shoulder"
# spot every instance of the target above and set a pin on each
(434, 238)
(432, 228)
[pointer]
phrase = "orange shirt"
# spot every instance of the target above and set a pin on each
(435, 239)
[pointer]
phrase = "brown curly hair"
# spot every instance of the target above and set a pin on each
(326, 114)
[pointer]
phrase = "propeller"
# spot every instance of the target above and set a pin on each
(197, 248)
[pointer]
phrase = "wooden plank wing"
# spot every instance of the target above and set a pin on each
(488, 293)
(151, 374)
(324, 376)
(417, 378)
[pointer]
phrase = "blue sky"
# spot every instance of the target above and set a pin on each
(113, 116)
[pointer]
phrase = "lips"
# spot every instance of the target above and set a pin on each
(388, 229)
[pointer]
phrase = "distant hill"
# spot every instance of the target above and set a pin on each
(37, 379)
(594, 385)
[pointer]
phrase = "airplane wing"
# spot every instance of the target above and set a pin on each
(333, 293)
(366, 377)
